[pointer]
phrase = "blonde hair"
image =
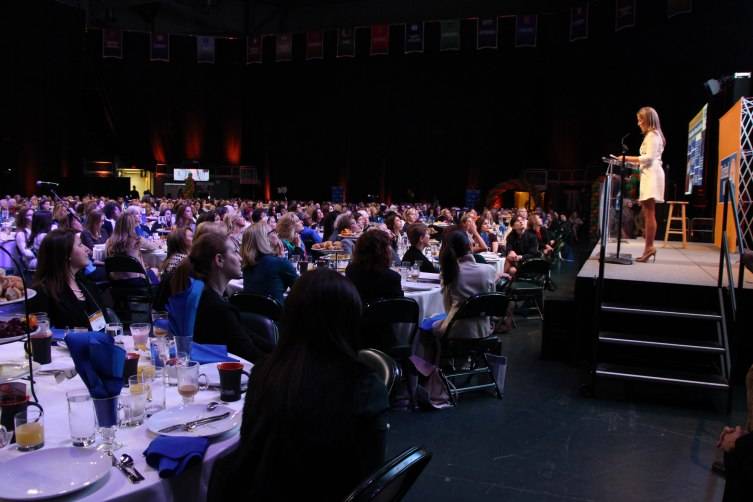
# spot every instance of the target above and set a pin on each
(215, 227)
(124, 238)
(286, 226)
(255, 242)
(651, 122)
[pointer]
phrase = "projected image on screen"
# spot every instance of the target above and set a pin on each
(696, 151)
(197, 174)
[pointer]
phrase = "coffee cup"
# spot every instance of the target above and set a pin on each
(230, 380)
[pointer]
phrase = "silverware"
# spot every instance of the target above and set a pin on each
(132, 478)
(189, 426)
(211, 406)
(127, 462)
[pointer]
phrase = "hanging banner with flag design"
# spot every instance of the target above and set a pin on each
(314, 45)
(526, 30)
(624, 14)
(578, 23)
(112, 44)
(380, 40)
(676, 7)
(486, 34)
(449, 35)
(205, 49)
(283, 47)
(346, 43)
(253, 49)
(414, 37)
(159, 47)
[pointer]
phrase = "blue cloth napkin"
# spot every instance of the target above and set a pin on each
(426, 324)
(99, 363)
(172, 455)
(58, 334)
(182, 309)
(206, 353)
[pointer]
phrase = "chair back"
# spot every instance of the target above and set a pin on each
(261, 326)
(482, 305)
(182, 308)
(391, 324)
(534, 269)
(392, 481)
(132, 298)
(254, 303)
(123, 264)
(383, 365)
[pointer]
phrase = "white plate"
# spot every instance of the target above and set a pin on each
(12, 370)
(52, 472)
(11, 339)
(189, 412)
(418, 286)
(32, 294)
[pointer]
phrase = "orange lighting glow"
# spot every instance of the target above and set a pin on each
(194, 136)
(233, 142)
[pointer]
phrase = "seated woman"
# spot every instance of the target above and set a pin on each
(264, 272)
(487, 235)
(214, 260)
(288, 229)
(544, 239)
(24, 218)
(178, 245)
(125, 242)
(312, 409)
(70, 300)
(462, 278)
(41, 224)
(93, 233)
(521, 245)
(418, 236)
(468, 223)
(343, 222)
(370, 268)
(395, 226)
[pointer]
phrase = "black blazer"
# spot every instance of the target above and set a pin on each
(526, 245)
(219, 322)
(317, 447)
(68, 311)
(373, 285)
(413, 255)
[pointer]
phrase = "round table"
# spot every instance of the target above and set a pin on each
(191, 485)
(8, 241)
(153, 259)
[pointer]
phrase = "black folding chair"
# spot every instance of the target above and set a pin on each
(262, 327)
(529, 284)
(390, 325)
(132, 298)
(254, 303)
(393, 480)
(385, 367)
(463, 357)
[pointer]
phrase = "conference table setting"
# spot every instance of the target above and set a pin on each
(124, 417)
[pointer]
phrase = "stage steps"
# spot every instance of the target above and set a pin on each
(663, 344)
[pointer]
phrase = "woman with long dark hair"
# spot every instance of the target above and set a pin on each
(311, 408)
(66, 295)
(462, 278)
(93, 233)
(41, 224)
(214, 259)
(24, 217)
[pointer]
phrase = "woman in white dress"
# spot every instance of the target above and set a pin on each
(652, 174)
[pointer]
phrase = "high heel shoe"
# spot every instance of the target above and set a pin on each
(651, 253)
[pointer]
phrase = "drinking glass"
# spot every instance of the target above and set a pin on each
(189, 381)
(155, 397)
(405, 269)
(160, 323)
(29, 427)
(81, 418)
(162, 348)
(114, 329)
(171, 367)
(140, 334)
(415, 270)
(134, 401)
(106, 411)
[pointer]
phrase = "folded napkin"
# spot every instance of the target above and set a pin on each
(206, 353)
(58, 334)
(172, 455)
(99, 363)
(427, 323)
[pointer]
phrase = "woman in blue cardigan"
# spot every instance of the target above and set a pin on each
(264, 272)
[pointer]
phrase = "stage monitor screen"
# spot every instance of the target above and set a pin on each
(197, 174)
(696, 150)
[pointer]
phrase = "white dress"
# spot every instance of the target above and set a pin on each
(652, 174)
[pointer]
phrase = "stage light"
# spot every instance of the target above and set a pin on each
(713, 86)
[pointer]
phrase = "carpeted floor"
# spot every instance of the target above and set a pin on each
(544, 441)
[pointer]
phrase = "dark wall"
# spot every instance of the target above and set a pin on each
(419, 122)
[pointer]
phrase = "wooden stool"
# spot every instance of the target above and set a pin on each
(671, 218)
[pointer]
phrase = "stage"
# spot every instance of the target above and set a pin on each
(681, 279)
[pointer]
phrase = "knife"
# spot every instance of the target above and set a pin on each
(194, 423)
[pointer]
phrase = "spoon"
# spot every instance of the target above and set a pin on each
(127, 461)
(211, 406)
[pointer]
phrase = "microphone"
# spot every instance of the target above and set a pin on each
(42, 183)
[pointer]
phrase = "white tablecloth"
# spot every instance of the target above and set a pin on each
(191, 485)
(153, 259)
(429, 300)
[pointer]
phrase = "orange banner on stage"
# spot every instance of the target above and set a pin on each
(730, 129)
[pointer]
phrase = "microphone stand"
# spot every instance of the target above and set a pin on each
(616, 258)
(28, 324)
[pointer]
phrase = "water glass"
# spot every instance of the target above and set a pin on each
(106, 411)
(189, 381)
(140, 335)
(405, 270)
(415, 270)
(29, 427)
(162, 348)
(160, 322)
(81, 418)
(114, 329)
(156, 395)
(134, 401)
(171, 371)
